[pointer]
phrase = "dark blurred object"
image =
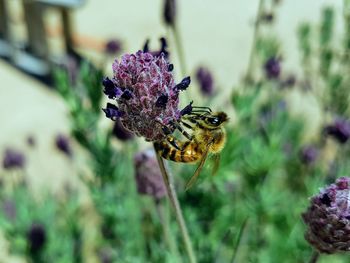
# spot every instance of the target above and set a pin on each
(308, 154)
(169, 14)
(106, 255)
(163, 48)
(113, 46)
(288, 82)
(5, 46)
(36, 237)
(31, 141)
(272, 68)
(120, 132)
(267, 18)
(206, 82)
(13, 159)
(63, 144)
(340, 130)
(148, 176)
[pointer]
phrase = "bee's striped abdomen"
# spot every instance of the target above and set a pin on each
(189, 151)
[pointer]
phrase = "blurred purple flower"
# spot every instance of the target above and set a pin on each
(272, 68)
(308, 154)
(328, 218)
(149, 97)
(169, 14)
(148, 176)
(340, 130)
(36, 237)
(63, 144)
(120, 132)
(113, 46)
(13, 159)
(71, 66)
(206, 82)
(9, 209)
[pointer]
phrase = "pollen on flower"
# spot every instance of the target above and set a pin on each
(145, 92)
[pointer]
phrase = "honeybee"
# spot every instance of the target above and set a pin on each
(208, 136)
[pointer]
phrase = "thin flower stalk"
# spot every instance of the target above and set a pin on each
(169, 182)
(250, 67)
(314, 257)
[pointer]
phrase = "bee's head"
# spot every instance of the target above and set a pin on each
(215, 119)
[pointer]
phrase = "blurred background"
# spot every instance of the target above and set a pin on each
(68, 188)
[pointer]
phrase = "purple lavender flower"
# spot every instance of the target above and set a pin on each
(13, 159)
(272, 68)
(308, 154)
(36, 237)
(340, 130)
(328, 218)
(62, 143)
(113, 46)
(148, 176)
(148, 99)
(169, 12)
(120, 132)
(206, 82)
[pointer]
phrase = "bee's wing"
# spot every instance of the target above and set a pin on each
(216, 164)
(199, 168)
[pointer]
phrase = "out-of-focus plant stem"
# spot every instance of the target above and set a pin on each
(163, 217)
(180, 51)
(250, 67)
(314, 257)
(169, 183)
(239, 239)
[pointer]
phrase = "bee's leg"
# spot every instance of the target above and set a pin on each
(183, 132)
(201, 109)
(167, 131)
(188, 125)
(173, 142)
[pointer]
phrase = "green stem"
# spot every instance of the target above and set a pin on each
(239, 239)
(255, 38)
(169, 239)
(169, 183)
(180, 50)
(314, 257)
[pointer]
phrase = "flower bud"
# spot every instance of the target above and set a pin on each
(206, 82)
(272, 68)
(148, 176)
(328, 218)
(170, 12)
(13, 159)
(36, 237)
